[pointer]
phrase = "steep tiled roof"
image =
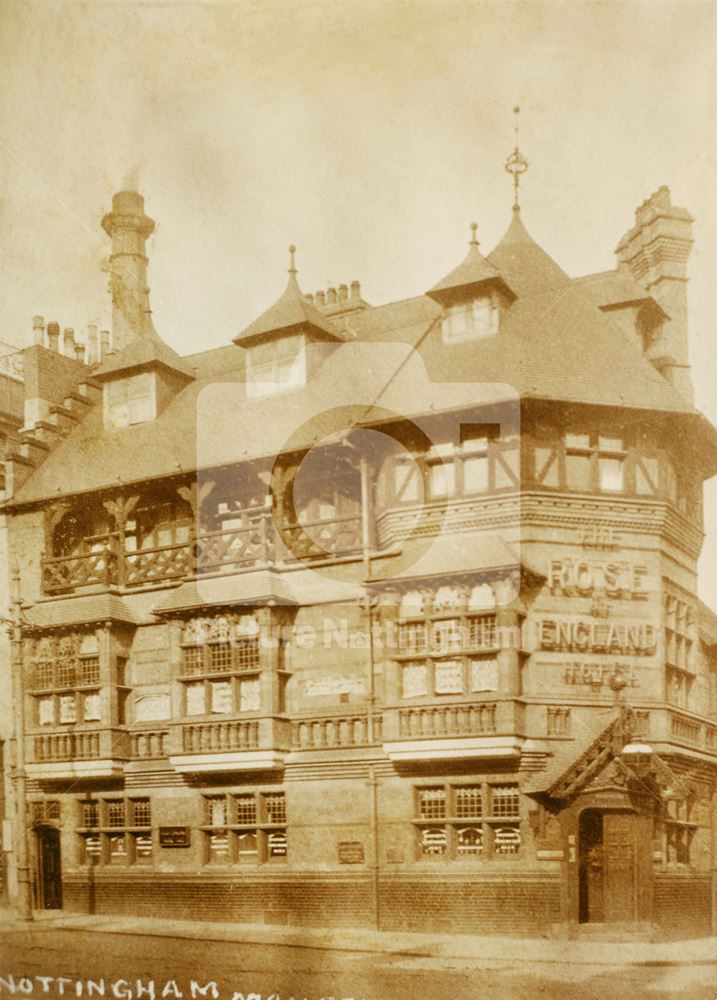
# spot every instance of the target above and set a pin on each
(553, 344)
(149, 349)
(80, 610)
(473, 270)
(248, 588)
(615, 288)
(525, 266)
(291, 311)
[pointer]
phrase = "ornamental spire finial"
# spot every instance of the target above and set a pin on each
(292, 260)
(473, 241)
(516, 164)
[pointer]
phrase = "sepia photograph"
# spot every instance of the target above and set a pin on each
(358, 499)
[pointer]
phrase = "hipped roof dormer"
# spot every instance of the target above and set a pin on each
(473, 276)
(291, 313)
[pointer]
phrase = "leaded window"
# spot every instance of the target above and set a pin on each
(479, 819)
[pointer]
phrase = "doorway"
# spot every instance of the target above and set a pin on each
(606, 873)
(50, 868)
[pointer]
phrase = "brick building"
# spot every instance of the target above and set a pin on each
(380, 615)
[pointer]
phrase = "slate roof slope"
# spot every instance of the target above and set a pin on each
(291, 310)
(614, 288)
(524, 264)
(149, 348)
(554, 343)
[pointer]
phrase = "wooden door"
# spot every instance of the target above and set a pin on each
(50, 868)
(619, 866)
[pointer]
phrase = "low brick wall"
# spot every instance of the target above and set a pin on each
(521, 905)
(682, 904)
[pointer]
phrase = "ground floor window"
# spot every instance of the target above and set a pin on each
(244, 827)
(679, 832)
(116, 831)
(479, 820)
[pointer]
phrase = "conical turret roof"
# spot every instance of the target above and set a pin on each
(474, 270)
(522, 263)
(291, 311)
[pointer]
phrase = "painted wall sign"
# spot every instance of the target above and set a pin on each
(351, 852)
(584, 577)
(590, 635)
(174, 836)
(316, 686)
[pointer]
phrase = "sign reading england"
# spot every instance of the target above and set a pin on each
(598, 636)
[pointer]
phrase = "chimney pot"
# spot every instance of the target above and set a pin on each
(104, 344)
(320, 299)
(343, 292)
(53, 336)
(309, 297)
(355, 291)
(331, 296)
(68, 341)
(92, 346)
(128, 203)
(38, 330)
(79, 352)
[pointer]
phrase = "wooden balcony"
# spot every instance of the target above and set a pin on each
(455, 730)
(236, 548)
(67, 573)
(257, 744)
(233, 550)
(95, 753)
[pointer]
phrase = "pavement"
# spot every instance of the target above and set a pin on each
(545, 951)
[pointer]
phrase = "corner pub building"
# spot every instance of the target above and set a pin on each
(380, 615)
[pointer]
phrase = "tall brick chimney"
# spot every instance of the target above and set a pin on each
(655, 251)
(128, 227)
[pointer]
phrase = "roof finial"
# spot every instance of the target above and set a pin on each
(516, 164)
(292, 259)
(473, 241)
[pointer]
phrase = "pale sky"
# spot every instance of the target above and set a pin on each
(370, 133)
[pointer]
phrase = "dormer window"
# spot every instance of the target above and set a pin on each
(470, 320)
(276, 366)
(130, 400)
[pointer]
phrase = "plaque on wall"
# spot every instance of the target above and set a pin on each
(350, 852)
(174, 836)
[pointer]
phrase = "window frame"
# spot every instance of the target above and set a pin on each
(453, 821)
(259, 824)
(104, 830)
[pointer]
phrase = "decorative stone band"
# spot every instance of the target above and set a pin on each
(491, 747)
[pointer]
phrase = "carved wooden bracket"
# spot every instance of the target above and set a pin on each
(120, 508)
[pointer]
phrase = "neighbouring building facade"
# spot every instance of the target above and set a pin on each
(380, 615)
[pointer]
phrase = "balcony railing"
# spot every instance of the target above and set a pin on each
(230, 550)
(236, 548)
(94, 744)
(447, 720)
(213, 737)
(169, 562)
(66, 746)
(69, 572)
(333, 731)
(149, 744)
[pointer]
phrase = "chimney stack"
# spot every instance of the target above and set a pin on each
(104, 344)
(38, 330)
(355, 291)
(128, 227)
(343, 293)
(331, 296)
(79, 352)
(320, 299)
(92, 346)
(68, 342)
(655, 251)
(53, 336)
